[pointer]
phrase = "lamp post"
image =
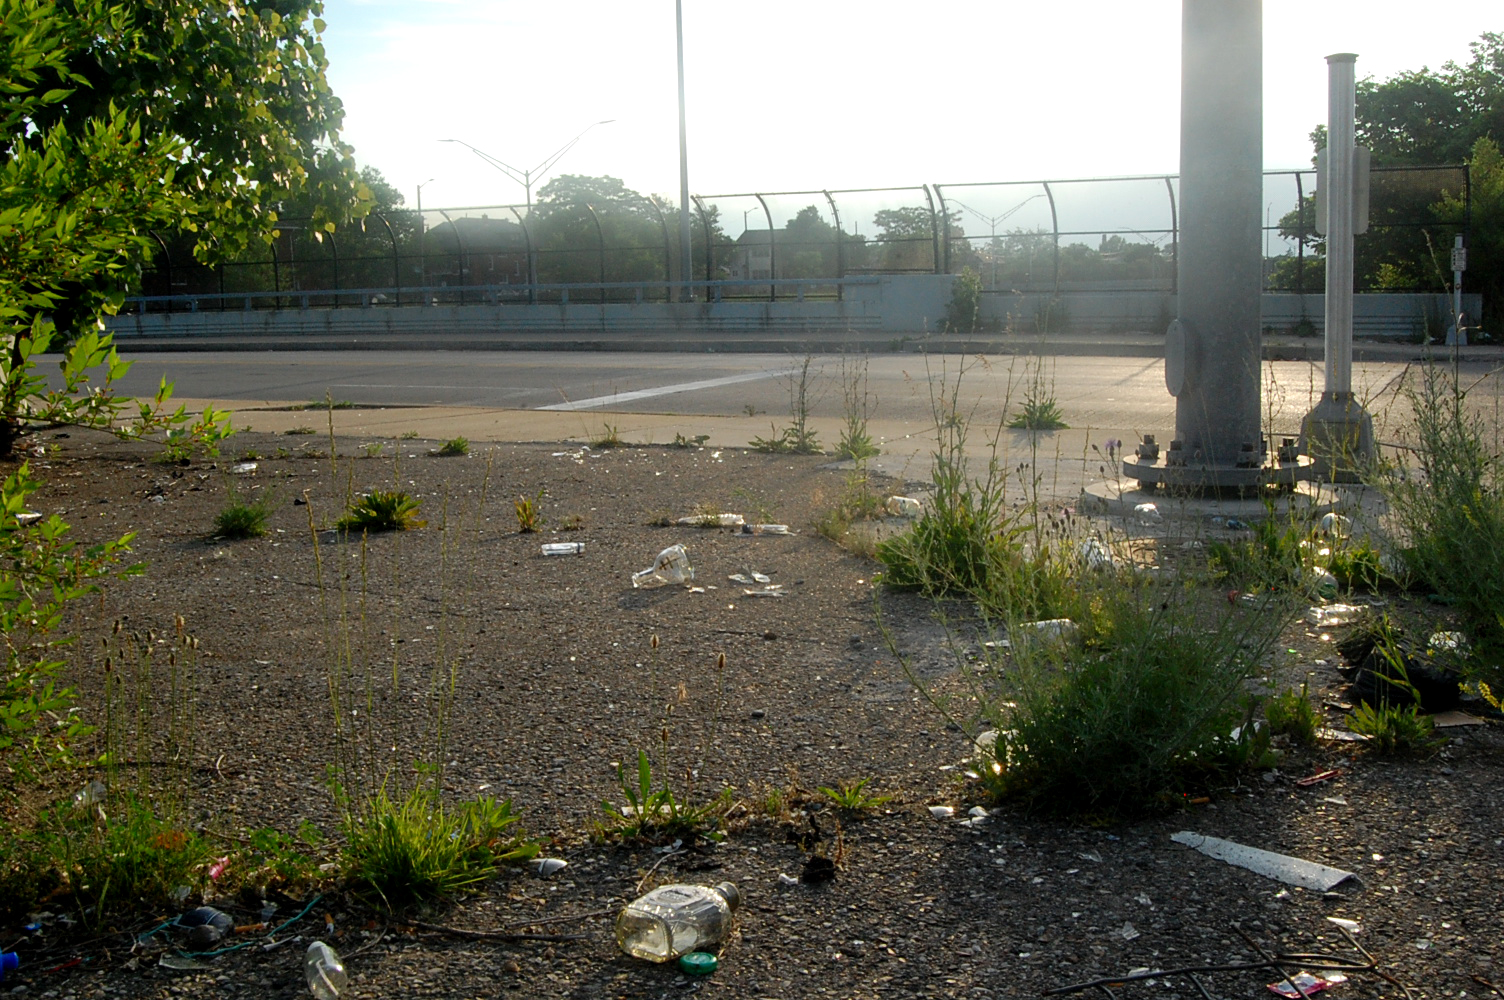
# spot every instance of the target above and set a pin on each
(525, 177)
(422, 242)
(992, 221)
(687, 294)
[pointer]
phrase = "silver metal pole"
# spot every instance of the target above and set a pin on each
(686, 294)
(1338, 182)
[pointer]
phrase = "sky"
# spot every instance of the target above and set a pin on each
(806, 95)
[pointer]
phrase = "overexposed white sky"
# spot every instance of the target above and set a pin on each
(814, 94)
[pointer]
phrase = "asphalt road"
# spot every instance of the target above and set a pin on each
(1101, 392)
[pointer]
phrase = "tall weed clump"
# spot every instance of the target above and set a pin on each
(1447, 518)
(971, 541)
(1148, 706)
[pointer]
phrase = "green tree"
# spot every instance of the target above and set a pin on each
(570, 248)
(120, 118)
(1425, 116)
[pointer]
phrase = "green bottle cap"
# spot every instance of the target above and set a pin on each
(699, 963)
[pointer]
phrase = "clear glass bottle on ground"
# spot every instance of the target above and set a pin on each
(674, 920)
(563, 548)
(326, 973)
(671, 566)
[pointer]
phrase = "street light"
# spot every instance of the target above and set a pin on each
(992, 221)
(422, 250)
(525, 177)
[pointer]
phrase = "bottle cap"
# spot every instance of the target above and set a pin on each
(732, 893)
(699, 963)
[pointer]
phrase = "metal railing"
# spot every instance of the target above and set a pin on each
(1043, 236)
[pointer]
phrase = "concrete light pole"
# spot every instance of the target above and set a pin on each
(686, 294)
(526, 177)
(1338, 433)
(1213, 349)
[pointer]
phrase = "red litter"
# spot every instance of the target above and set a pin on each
(1316, 779)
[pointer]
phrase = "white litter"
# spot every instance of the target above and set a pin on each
(1280, 867)
(904, 507)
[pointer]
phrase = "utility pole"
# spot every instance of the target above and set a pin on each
(686, 293)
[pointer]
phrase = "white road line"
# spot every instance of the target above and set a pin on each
(664, 390)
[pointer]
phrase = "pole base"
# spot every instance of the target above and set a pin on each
(1217, 480)
(1338, 435)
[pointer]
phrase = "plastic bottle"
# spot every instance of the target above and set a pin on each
(326, 973)
(671, 566)
(9, 961)
(563, 548)
(674, 920)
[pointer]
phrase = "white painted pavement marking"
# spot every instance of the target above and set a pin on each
(665, 390)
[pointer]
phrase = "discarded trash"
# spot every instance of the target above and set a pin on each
(1322, 581)
(241, 468)
(207, 926)
(219, 868)
(1128, 932)
(749, 577)
(675, 920)
(771, 590)
(545, 867)
(1336, 525)
(766, 529)
(942, 812)
(698, 963)
(1306, 983)
(563, 548)
(1235, 525)
(1340, 735)
(1335, 614)
(1452, 719)
(1147, 513)
(1318, 778)
(1447, 642)
(904, 507)
(182, 964)
(1051, 630)
(787, 879)
(9, 962)
(91, 794)
(671, 566)
(1280, 867)
(1095, 554)
(325, 971)
(1351, 926)
(817, 869)
(25, 517)
(712, 521)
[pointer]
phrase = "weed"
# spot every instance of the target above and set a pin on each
(858, 503)
(680, 441)
(381, 510)
(1138, 715)
(609, 437)
(373, 449)
(857, 405)
(1040, 411)
(529, 517)
(418, 849)
(750, 410)
(409, 436)
(1450, 513)
(1290, 713)
(327, 403)
(454, 446)
(1395, 729)
(574, 522)
(299, 430)
(798, 438)
(963, 312)
(853, 797)
(249, 455)
(656, 814)
(243, 518)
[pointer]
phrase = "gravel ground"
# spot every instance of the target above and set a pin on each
(556, 682)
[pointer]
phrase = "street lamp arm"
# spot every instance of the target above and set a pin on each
(520, 176)
(559, 153)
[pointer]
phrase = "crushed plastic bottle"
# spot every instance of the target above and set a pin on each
(671, 566)
(712, 521)
(675, 920)
(563, 548)
(326, 973)
(1147, 513)
(91, 794)
(766, 529)
(904, 507)
(1095, 554)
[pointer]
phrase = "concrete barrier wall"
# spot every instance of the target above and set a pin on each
(895, 305)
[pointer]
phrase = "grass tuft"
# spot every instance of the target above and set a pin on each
(382, 510)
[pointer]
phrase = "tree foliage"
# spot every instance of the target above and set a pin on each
(118, 118)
